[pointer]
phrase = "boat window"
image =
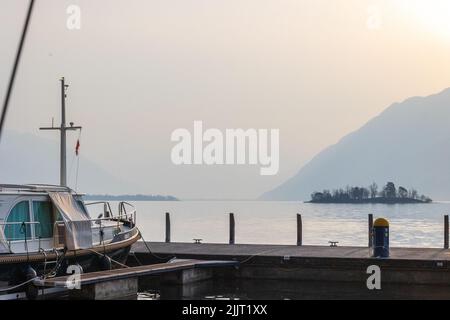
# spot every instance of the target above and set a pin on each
(43, 213)
(14, 230)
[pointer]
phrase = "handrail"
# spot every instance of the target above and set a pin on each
(131, 214)
(96, 202)
(21, 223)
(122, 210)
(123, 216)
(100, 219)
(123, 203)
(105, 204)
(8, 223)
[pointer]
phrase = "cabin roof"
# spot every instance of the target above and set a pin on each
(33, 188)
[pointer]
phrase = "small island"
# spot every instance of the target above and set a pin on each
(388, 195)
(128, 197)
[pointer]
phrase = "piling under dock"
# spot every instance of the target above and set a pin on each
(417, 266)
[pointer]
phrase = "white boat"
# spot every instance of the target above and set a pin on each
(44, 229)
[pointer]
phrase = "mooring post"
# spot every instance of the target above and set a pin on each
(299, 230)
(446, 226)
(370, 230)
(232, 228)
(167, 227)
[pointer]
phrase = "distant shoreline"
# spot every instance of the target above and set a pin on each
(129, 197)
(379, 200)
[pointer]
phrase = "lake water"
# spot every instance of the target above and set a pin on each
(412, 225)
(229, 289)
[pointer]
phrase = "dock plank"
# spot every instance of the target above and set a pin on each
(419, 266)
(145, 270)
(247, 250)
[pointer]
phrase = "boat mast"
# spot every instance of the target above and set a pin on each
(63, 129)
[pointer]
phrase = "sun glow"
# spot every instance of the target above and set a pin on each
(433, 15)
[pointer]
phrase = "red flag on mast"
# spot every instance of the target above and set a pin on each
(77, 147)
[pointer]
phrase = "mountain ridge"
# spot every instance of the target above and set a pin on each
(395, 128)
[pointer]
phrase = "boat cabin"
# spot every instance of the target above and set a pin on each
(37, 218)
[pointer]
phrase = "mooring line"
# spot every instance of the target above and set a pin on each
(18, 286)
(150, 251)
(256, 255)
(103, 255)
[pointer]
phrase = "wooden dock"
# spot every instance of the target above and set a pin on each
(280, 262)
(122, 283)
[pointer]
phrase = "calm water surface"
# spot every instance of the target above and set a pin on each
(291, 290)
(412, 225)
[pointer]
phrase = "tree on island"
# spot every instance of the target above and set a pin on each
(413, 194)
(373, 190)
(402, 192)
(389, 191)
(389, 194)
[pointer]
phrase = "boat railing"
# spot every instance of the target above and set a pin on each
(59, 227)
(127, 214)
(26, 237)
(124, 209)
(107, 211)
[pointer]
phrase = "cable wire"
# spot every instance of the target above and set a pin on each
(15, 67)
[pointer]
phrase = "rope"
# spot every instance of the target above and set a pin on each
(135, 258)
(165, 258)
(78, 164)
(15, 67)
(76, 175)
(23, 229)
(75, 156)
(150, 251)
(45, 259)
(103, 255)
(44, 276)
(45, 267)
(71, 166)
(256, 255)
(58, 264)
(18, 286)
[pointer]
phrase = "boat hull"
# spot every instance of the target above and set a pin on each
(14, 268)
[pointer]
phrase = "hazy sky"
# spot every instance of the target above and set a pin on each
(315, 69)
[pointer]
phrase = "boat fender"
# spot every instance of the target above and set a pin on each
(31, 290)
(105, 263)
